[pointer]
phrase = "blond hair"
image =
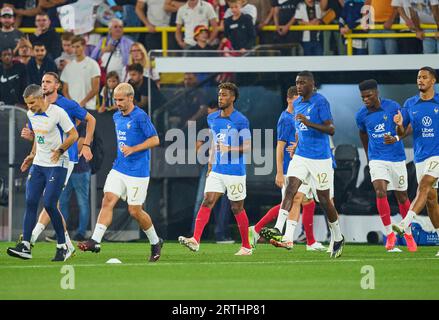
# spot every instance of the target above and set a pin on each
(124, 88)
(145, 62)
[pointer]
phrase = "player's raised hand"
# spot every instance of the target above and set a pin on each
(127, 150)
(27, 162)
(398, 119)
(280, 180)
(27, 134)
(86, 152)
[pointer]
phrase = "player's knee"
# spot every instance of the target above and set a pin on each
(134, 211)
(380, 193)
(402, 197)
(236, 208)
(298, 199)
(107, 201)
(208, 202)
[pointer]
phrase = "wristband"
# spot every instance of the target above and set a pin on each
(397, 138)
(61, 150)
(87, 145)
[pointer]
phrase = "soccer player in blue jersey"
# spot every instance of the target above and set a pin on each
(286, 145)
(129, 177)
(50, 85)
(231, 139)
(312, 161)
(420, 115)
(47, 174)
(385, 154)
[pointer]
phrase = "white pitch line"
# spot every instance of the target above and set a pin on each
(208, 263)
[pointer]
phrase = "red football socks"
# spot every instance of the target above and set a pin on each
(269, 216)
(308, 220)
(201, 221)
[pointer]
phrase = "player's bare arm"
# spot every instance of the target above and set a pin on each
(90, 129)
(72, 136)
(149, 143)
(327, 126)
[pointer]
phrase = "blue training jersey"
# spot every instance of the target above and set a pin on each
(231, 131)
(378, 123)
(313, 144)
(131, 130)
(424, 118)
(286, 131)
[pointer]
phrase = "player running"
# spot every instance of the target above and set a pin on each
(50, 85)
(286, 145)
(420, 115)
(48, 171)
(129, 177)
(386, 157)
(231, 139)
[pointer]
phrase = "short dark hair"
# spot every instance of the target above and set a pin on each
(306, 74)
(135, 67)
(370, 84)
(231, 87)
(78, 39)
(53, 74)
(430, 70)
(39, 44)
(67, 36)
(113, 74)
(292, 91)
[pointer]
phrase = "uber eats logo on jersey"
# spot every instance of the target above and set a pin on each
(427, 132)
(40, 140)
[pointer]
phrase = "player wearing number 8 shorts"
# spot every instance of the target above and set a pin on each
(420, 115)
(231, 138)
(386, 156)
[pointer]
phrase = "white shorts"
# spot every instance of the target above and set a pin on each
(130, 189)
(69, 171)
(306, 189)
(314, 172)
(220, 183)
(393, 172)
(429, 166)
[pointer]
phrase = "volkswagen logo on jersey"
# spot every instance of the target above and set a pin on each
(380, 127)
(426, 121)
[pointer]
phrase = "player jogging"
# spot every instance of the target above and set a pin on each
(129, 177)
(420, 115)
(386, 157)
(47, 174)
(231, 138)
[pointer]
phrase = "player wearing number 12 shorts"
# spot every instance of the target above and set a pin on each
(231, 139)
(386, 156)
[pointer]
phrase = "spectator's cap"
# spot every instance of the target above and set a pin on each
(7, 11)
(200, 28)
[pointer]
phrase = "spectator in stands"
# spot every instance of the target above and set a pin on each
(193, 13)
(47, 35)
(308, 13)
(26, 12)
(139, 55)
(50, 6)
(39, 64)
(107, 91)
(349, 19)
(140, 85)
(9, 36)
(113, 50)
(239, 28)
(156, 16)
(13, 79)
(201, 36)
(23, 51)
(426, 12)
(130, 18)
(171, 7)
(284, 17)
(81, 77)
(79, 182)
(407, 45)
(67, 54)
(385, 14)
(220, 9)
(193, 105)
(264, 18)
(332, 40)
(246, 8)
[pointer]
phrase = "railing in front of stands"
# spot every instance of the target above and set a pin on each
(333, 27)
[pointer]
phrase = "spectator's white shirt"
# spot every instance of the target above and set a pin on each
(78, 76)
(201, 14)
(423, 10)
(249, 9)
(156, 13)
(50, 129)
(405, 4)
(302, 14)
(116, 61)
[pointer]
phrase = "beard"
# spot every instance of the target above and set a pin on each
(48, 93)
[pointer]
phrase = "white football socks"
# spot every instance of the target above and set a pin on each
(388, 229)
(335, 229)
(289, 232)
(99, 232)
(408, 218)
(281, 218)
(69, 242)
(152, 235)
(39, 227)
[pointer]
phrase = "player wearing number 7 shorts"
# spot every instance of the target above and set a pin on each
(231, 139)
(385, 155)
(129, 177)
(420, 115)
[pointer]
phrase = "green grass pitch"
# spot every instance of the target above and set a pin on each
(215, 273)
